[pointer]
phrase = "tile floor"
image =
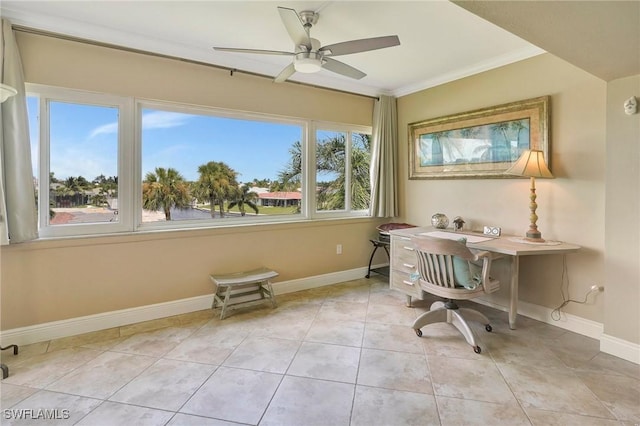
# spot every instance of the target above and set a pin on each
(338, 355)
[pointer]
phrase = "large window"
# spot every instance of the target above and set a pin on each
(77, 143)
(107, 164)
(198, 166)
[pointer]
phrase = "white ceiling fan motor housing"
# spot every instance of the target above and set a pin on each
(308, 61)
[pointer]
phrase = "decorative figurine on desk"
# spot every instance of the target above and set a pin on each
(440, 221)
(458, 223)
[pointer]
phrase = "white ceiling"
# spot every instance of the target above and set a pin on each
(600, 37)
(440, 41)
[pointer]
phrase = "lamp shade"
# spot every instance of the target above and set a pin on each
(530, 164)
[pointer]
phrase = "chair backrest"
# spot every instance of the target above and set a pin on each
(440, 259)
(435, 259)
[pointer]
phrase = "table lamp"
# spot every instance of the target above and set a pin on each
(531, 164)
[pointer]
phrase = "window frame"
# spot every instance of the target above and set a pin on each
(349, 130)
(130, 163)
(213, 112)
(48, 94)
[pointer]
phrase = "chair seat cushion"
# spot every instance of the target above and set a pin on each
(466, 274)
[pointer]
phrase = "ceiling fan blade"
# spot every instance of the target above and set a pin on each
(285, 73)
(363, 45)
(294, 26)
(262, 52)
(342, 68)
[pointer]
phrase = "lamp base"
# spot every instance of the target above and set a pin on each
(534, 237)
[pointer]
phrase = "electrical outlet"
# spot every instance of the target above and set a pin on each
(339, 249)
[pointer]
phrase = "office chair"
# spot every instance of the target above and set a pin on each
(446, 270)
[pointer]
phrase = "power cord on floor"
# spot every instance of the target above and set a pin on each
(556, 313)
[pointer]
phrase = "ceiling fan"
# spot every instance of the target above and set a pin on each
(309, 56)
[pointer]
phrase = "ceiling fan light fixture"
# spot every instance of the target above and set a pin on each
(309, 55)
(307, 65)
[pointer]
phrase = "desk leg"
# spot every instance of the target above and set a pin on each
(373, 253)
(513, 305)
(5, 369)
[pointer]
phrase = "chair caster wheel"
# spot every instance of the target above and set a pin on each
(488, 328)
(477, 349)
(418, 332)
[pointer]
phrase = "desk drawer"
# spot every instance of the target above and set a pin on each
(400, 281)
(403, 256)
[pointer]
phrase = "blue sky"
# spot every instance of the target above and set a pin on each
(83, 142)
(254, 149)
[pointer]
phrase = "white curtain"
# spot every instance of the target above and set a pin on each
(17, 197)
(384, 199)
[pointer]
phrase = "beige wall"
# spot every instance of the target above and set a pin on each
(82, 66)
(570, 207)
(54, 280)
(622, 261)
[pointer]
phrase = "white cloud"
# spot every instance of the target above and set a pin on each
(106, 129)
(163, 120)
(151, 120)
(65, 163)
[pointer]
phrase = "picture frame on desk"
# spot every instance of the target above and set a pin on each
(478, 144)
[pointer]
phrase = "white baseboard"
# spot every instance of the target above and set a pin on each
(620, 348)
(608, 344)
(540, 313)
(89, 323)
(73, 326)
(307, 283)
(64, 328)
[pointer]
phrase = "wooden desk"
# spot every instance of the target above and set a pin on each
(503, 246)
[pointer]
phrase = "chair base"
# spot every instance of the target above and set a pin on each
(450, 313)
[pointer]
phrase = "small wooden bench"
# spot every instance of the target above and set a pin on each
(242, 286)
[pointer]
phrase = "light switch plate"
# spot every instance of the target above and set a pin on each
(493, 231)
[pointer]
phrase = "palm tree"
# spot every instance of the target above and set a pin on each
(331, 160)
(261, 183)
(244, 196)
(330, 154)
(217, 183)
(360, 172)
(165, 189)
(437, 152)
(291, 177)
(74, 188)
(107, 185)
(505, 133)
(521, 129)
